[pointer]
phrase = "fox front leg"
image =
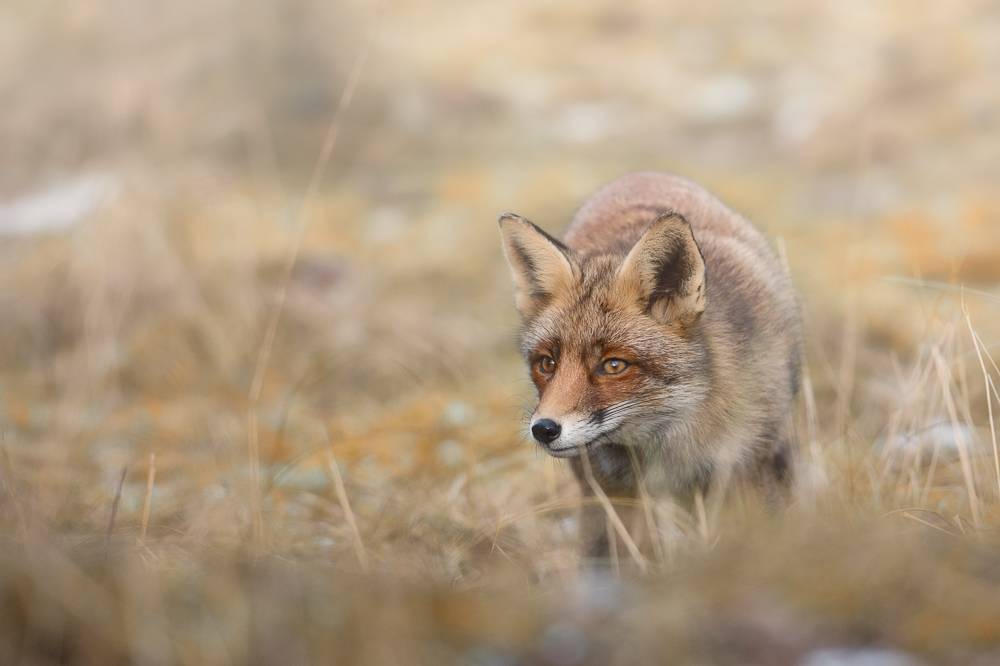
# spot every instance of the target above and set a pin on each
(598, 540)
(595, 540)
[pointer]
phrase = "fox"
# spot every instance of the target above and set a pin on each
(662, 335)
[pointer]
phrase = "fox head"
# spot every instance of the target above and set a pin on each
(610, 338)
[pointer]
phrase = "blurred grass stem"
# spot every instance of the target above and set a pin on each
(497, 535)
(293, 252)
(611, 513)
(150, 478)
(988, 381)
(114, 506)
(963, 454)
(345, 504)
(906, 514)
(647, 507)
(699, 505)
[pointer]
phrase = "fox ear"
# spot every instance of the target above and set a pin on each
(542, 266)
(666, 268)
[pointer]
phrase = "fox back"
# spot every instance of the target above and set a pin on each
(662, 336)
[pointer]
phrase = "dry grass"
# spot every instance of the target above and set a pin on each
(371, 497)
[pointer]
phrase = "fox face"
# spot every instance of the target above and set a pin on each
(608, 337)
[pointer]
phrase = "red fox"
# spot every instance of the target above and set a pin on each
(663, 337)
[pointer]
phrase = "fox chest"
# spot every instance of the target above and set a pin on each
(660, 471)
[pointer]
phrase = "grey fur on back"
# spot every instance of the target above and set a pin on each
(749, 330)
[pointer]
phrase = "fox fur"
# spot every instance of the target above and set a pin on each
(663, 338)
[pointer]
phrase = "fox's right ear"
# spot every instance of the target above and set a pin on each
(541, 265)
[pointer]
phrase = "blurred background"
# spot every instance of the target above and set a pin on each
(364, 490)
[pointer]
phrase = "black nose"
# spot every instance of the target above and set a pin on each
(546, 430)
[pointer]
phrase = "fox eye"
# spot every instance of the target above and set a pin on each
(614, 366)
(547, 364)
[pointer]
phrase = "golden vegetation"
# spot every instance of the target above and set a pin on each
(397, 514)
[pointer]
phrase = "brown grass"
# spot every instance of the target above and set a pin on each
(366, 494)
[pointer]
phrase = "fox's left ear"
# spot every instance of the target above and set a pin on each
(665, 268)
(542, 266)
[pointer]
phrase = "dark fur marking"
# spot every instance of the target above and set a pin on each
(555, 241)
(744, 320)
(703, 476)
(796, 367)
(780, 464)
(524, 258)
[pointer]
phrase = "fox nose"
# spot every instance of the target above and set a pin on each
(546, 430)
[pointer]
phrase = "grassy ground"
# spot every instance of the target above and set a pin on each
(363, 492)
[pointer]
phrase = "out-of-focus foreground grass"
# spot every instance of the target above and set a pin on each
(155, 159)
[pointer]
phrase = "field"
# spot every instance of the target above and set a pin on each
(260, 395)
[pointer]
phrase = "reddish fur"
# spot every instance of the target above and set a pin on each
(700, 308)
(581, 386)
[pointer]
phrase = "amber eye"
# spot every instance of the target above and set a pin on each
(613, 366)
(547, 364)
